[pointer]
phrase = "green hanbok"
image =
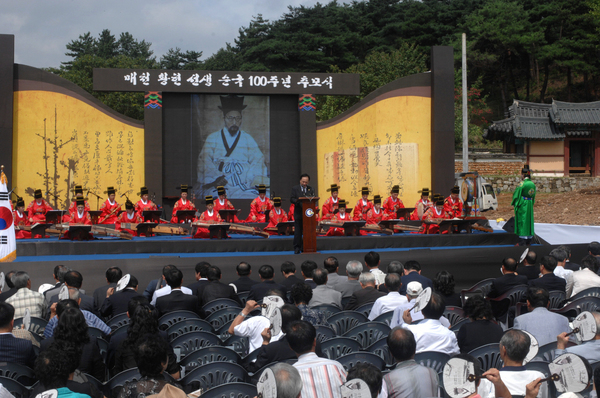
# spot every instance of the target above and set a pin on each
(523, 201)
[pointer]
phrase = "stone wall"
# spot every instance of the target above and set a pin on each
(543, 184)
(492, 163)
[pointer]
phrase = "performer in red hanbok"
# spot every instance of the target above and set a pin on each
(331, 204)
(38, 208)
(79, 216)
(222, 203)
(362, 206)
(78, 190)
(144, 203)
(340, 217)
(20, 220)
(276, 216)
(393, 203)
(453, 204)
(260, 206)
(435, 213)
(182, 204)
(376, 214)
(424, 203)
(110, 208)
(129, 216)
(209, 216)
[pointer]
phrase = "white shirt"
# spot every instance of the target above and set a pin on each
(515, 380)
(379, 275)
(252, 328)
(431, 335)
(387, 303)
(321, 377)
(567, 275)
(397, 319)
(163, 291)
(584, 279)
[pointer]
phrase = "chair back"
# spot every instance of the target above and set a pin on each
(213, 375)
(194, 341)
(243, 296)
(386, 317)
(118, 320)
(327, 309)
(116, 383)
(454, 315)
(590, 292)
(346, 320)
(432, 359)
(547, 352)
(576, 307)
(168, 320)
(489, 356)
(368, 333)
(324, 333)
(481, 288)
(118, 331)
(95, 332)
(235, 390)
(456, 327)
(208, 355)
(37, 325)
(218, 304)
(222, 316)
(339, 346)
(17, 389)
(365, 309)
(21, 373)
(557, 298)
(239, 344)
(381, 349)
(500, 305)
(349, 360)
(187, 326)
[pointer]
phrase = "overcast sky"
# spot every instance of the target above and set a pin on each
(42, 28)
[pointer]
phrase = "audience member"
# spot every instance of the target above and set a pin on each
(163, 291)
(372, 262)
(444, 284)
(59, 279)
(73, 301)
(412, 273)
(216, 290)
(492, 375)
(509, 279)
(392, 300)
(514, 347)
(301, 295)
(13, 349)
(321, 377)
(254, 326)
(529, 268)
(26, 298)
(332, 266)
(197, 287)
(267, 284)
(368, 293)
(73, 329)
(287, 380)
(288, 269)
(394, 267)
(412, 292)
(589, 350)
(74, 279)
(588, 276)
(568, 264)
(243, 283)
(113, 274)
(55, 368)
(347, 288)
(481, 330)
(408, 379)
(370, 375)
(548, 280)
(323, 294)
(560, 270)
(152, 359)
(116, 303)
(307, 269)
(430, 333)
(6, 293)
(176, 300)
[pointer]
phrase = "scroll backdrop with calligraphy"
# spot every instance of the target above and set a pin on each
(63, 136)
(382, 141)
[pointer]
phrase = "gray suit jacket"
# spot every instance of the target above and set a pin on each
(347, 288)
(543, 325)
(325, 295)
(334, 279)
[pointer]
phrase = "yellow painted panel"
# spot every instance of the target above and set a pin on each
(385, 144)
(547, 148)
(547, 164)
(60, 141)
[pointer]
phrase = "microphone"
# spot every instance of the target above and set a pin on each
(124, 194)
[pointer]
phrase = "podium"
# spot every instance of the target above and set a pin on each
(152, 216)
(80, 232)
(55, 216)
(404, 212)
(94, 215)
(228, 214)
(186, 215)
(309, 224)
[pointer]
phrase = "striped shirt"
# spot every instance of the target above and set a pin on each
(321, 377)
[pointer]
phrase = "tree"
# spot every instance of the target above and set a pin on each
(177, 59)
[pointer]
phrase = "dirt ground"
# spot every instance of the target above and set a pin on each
(577, 208)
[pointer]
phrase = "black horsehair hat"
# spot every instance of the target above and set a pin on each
(231, 103)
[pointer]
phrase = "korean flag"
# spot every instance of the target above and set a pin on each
(8, 245)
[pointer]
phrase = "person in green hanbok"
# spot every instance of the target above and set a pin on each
(523, 200)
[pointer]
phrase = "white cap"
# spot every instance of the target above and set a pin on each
(414, 288)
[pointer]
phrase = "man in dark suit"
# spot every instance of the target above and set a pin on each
(244, 283)
(113, 274)
(215, 290)
(177, 300)
(368, 293)
(508, 280)
(412, 273)
(59, 277)
(299, 191)
(548, 280)
(201, 279)
(74, 279)
(116, 302)
(307, 269)
(260, 290)
(13, 349)
(288, 269)
(11, 288)
(528, 268)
